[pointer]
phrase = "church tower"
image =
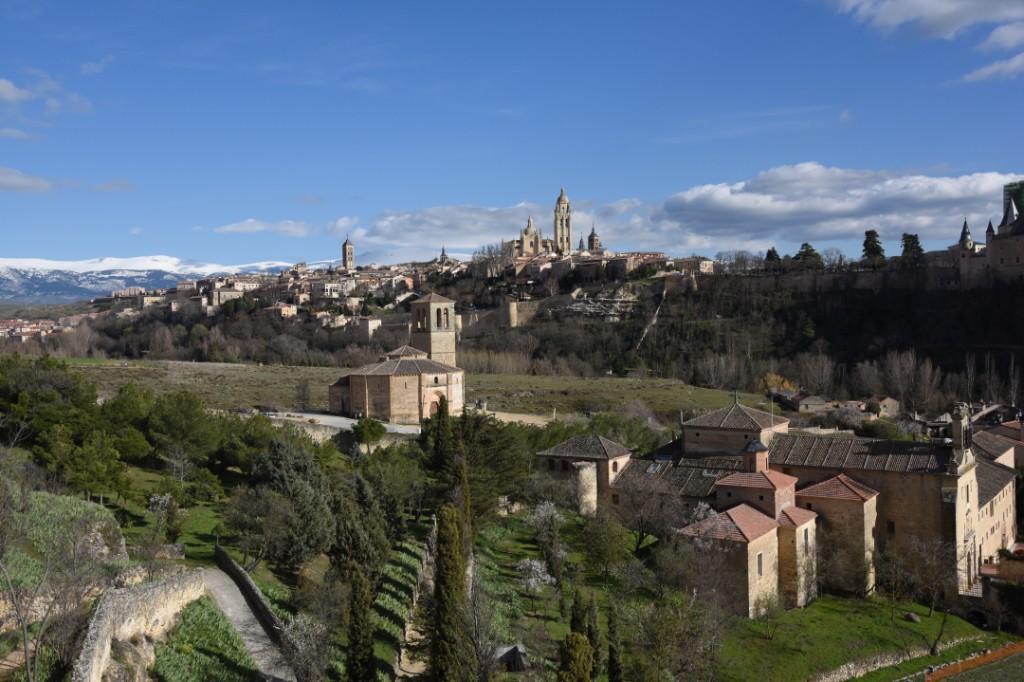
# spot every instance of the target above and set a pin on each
(563, 224)
(433, 328)
(348, 255)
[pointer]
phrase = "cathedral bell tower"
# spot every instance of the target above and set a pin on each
(348, 255)
(563, 224)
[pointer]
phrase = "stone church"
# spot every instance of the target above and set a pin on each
(408, 383)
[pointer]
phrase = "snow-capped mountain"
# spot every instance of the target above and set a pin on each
(35, 280)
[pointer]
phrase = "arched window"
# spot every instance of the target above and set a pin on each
(615, 467)
(438, 317)
(447, 323)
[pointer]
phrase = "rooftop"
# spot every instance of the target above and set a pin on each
(587, 447)
(742, 523)
(840, 487)
(836, 452)
(738, 417)
(769, 480)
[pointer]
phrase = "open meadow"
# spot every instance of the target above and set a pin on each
(243, 386)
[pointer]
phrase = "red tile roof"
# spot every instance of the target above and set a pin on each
(795, 516)
(587, 447)
(840, 487)
(742, 523)
(771, 480)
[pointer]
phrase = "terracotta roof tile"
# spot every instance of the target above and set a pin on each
(795, 516)
(405, 352)
(433, 298)
(405, 367)
(742, 523)
(840, 487)
(770, 480)
(837, 452)
(587, 447)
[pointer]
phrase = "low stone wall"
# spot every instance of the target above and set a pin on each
(256, 600)
(864, 666)
(144, 610)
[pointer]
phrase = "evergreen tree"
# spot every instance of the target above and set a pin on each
(594, 638)
(360, 663)
(873, 251)
(444, 439)
(772, 259)
(578, 619)
(807, 258)
(614, 645)
(453, 658)
(913, 253)
(576, 660)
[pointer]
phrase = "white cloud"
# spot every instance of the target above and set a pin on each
(938, 18)
(1005, 37)
(343, 225)
(12, 180)
(116, 185)
(93, 68)
(1007, 68)
(946, 19)
(286, 228)
(13, 134)
(811, 202)
(11, 93)
(135, 230)
(308, 198)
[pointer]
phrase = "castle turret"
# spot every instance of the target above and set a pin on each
(966, 241)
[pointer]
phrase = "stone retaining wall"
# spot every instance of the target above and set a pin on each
(864, 666)
(256, 600)
(144, 610)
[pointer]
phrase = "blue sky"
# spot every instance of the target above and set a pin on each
(238, 132)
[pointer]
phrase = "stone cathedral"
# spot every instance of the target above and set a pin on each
(532, 243)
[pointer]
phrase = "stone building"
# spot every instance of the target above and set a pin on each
(1001, 257)
(582, 458)
(407, 385)
(783, 497)
(532, 243)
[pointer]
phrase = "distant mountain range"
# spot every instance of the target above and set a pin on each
(35, 280)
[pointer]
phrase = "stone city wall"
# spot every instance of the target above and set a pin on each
(148, 610)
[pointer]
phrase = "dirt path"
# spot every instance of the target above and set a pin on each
(225, 593)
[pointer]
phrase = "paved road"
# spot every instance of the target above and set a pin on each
(342, 422)
(225, 593)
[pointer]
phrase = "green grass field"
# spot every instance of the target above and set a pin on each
(236, 386)
(1011, 668)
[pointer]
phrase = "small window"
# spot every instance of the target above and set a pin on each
(697, 434)
(615, 467)
(808, 505)
(565, 465)
(615, 498)
(437, 380)
(807, 541)
(728, 494)
(761, 497)
(890, 527)
(551, 464)
(760, 564)
(1002, 261)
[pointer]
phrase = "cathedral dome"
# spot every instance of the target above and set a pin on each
(530, 229)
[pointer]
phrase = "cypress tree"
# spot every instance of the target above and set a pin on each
(614, 646)
(452, 655)
(594, 637)
(360, 664)
(578, 619)
(576, 659)
(444, 440)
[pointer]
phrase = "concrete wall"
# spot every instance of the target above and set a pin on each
(147, 610)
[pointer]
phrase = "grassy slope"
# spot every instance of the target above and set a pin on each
(204, 646)
(228, 386)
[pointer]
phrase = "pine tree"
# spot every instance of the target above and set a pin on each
(913, 253)
(578, 619)
(772, 260)
(873, 251)
(360, 663)
(444, 440)
(614, 646)
(452, 656)
(576, 659)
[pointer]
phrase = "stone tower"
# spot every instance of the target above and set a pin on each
(563, 224)
(593, 241)
(348, 255)
(433, 328)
